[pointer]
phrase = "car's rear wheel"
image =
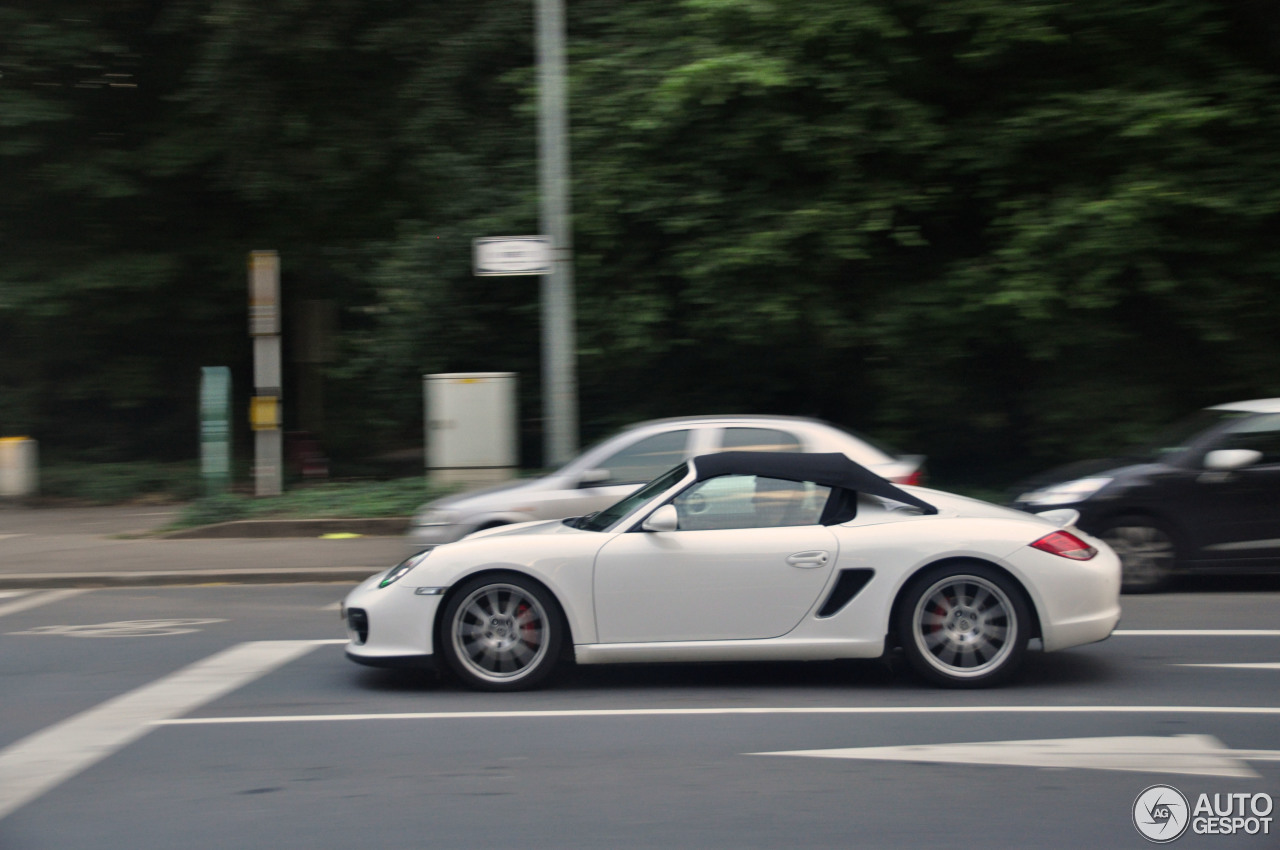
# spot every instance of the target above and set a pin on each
(1148, 554)
(501, 632)
(964, 625)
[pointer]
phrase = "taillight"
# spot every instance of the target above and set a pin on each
(914, 479)
(1065, 545)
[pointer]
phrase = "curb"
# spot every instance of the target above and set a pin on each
(159, 578)
(245, 528)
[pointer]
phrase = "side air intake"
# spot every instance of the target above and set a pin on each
(848, 585)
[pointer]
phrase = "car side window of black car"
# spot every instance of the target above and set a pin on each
(1261, 434)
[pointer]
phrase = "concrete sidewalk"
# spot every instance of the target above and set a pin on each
(117, 546)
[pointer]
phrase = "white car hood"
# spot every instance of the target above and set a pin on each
(537, 526)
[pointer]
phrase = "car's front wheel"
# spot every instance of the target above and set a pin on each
(501, 632)
(964, 626)
(1148, 554)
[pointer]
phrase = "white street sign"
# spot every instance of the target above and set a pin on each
(1197, 755)
(509, 255)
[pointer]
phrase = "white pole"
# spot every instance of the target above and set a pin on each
(560, 387)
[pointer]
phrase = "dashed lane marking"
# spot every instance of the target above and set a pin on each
(49, 757)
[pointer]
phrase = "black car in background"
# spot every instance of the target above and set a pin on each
(1203, 497)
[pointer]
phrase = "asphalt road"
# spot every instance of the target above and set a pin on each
(226, 717)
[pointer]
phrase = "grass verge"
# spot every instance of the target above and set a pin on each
(336, 499)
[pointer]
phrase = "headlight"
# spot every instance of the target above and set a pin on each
(435, 516)
(399, 570)
(1066, 492)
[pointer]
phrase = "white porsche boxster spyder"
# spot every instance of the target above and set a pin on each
(747, 556)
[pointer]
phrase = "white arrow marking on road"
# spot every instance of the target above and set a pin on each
(1197, 755)
(1196, 633)
(1258, 665)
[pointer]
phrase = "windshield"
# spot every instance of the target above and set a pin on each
(1178, 437)
(601, 520)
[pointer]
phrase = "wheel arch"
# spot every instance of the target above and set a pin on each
(497, 520)
(896, 609)
(1158, 518)
(499, 572)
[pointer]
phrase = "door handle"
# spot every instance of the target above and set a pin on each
(807, 560)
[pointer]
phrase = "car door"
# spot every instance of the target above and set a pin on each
(738, 566)
(1241, 507)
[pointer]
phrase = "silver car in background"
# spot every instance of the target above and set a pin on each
(617, 466)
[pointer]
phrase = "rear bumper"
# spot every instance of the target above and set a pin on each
(1084, 630)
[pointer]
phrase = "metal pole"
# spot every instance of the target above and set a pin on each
(560, 386)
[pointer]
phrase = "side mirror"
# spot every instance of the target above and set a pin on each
(664, 518)
(594, 478)
(1225, 460)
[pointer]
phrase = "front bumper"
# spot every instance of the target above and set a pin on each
(390, 626)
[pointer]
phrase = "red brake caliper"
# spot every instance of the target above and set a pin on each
(941, 614)
(528, 628)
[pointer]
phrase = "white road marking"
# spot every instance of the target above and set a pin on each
(35, 600)
(19, 534)
(125, 628)
(47, 758)
(1194, 755)
(1196, 633)
(1260, 665)
(697, 712)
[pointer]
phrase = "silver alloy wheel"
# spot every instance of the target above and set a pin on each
(965, 626)
(1147, 554)
(500, 633)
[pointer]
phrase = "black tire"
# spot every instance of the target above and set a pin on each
(501, 632)
(1148, 553)
(964, 625)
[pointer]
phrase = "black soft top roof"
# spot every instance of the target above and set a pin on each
(828, 469)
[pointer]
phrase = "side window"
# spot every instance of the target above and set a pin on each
(646, 459)
(758, 440)
(1261, 433)
(749, 501)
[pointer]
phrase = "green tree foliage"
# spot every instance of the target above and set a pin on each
(996, 231)
(1001, 233)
